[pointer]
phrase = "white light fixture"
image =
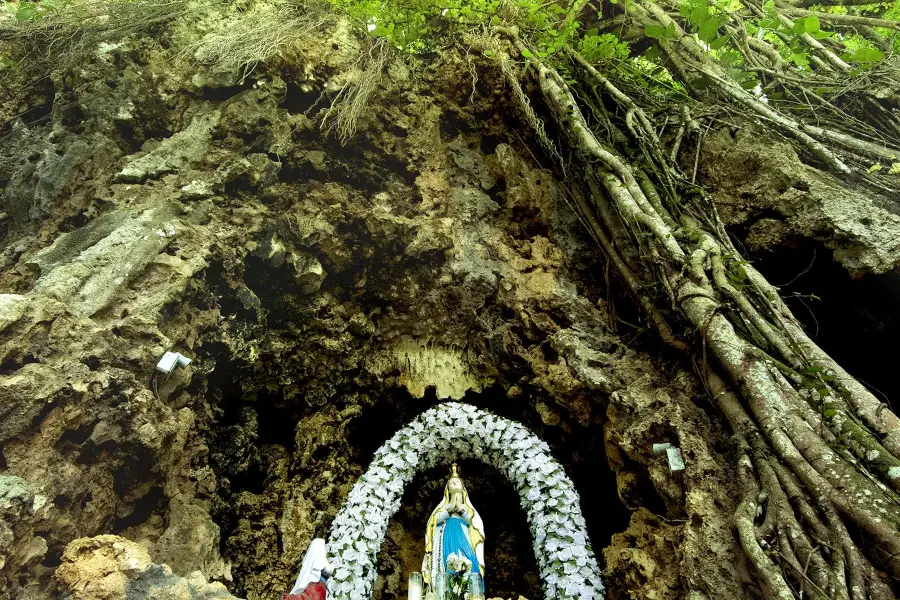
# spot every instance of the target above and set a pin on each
(673, 454)
(170, 361)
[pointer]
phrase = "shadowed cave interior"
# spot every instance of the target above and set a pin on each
(855, 320)
(510, 564)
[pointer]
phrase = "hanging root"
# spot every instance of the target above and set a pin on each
(817, 458)
(491, 45)
(65, 32)
(241, 43)
(343, 116)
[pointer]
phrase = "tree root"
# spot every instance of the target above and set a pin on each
(807, 461)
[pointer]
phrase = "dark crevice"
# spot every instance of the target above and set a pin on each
(133, 472)
(141, 510)
(297, 101)
(220, 94)
(853, 319)
(16, 362)
(71, 439)
(53, 558)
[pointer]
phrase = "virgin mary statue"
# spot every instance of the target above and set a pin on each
(454, 535)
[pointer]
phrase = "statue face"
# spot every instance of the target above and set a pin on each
(455, 485)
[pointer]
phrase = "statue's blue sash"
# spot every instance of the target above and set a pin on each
(456, 540)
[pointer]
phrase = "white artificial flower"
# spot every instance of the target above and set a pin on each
(458, 563)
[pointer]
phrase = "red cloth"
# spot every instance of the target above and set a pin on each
(315, 591)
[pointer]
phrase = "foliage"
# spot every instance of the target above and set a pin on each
(422, 25)
(33, 11)
(602, 47)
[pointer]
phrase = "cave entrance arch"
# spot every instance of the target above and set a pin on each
(454, 431)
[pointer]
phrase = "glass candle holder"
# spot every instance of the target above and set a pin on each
(441, 585)
(416, 587)
(476, 587)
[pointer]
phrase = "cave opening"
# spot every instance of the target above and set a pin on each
(253, 424)
(510, 567)
(855, 320)
(510, 563)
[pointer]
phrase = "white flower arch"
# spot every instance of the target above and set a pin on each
(453, 431)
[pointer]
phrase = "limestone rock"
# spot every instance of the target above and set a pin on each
(254, 171)
(109, 567)
(191, 542)
(12, 307)
(309, 271)
(25, 394)
(90, 267)
(174, 153)
(20, 510)
(41, 169)
(756, 180)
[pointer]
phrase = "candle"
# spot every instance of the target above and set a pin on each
(441, 583)
(415, 586)
(476, 587)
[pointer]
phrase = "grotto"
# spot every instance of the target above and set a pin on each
(298, 287)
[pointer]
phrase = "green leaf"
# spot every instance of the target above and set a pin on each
(652, 52)
(811, 24)
(709, 31)
(749, 82)
(699, 16)
(829, 412)
(26, 13)
(657, 32)
(527, 53)
(718, 43)
(874, 168)
(800, 59)
(867, 55)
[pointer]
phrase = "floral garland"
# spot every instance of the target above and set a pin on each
(454, 431)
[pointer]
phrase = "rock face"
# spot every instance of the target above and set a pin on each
(761, 185)
(108, 567)
(20, 548)
(327, 294)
